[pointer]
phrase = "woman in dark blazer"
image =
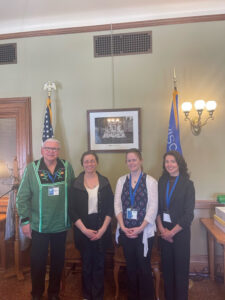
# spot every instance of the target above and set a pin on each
(176, 212)
(91, 210)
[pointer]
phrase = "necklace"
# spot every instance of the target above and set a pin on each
(90, 186)
(135, 179)
(91, 182)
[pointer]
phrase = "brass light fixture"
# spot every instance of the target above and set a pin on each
(198, 122)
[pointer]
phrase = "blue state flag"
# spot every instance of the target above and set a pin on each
(173, 141)
(48, 130)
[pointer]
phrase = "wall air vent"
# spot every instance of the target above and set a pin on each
(123, 44)
(8, 54)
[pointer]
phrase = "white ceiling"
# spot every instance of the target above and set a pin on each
(31, 15)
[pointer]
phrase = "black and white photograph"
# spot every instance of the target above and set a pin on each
(113, 130)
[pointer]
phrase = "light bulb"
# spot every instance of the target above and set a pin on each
(199, 104)
(211, 105)
(186, 106)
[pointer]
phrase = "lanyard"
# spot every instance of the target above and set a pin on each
(52, 178)
(168, 195)
(132, 195)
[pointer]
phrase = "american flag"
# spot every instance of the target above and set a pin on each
(48, 130)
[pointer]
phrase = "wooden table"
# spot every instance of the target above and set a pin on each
(214, 233)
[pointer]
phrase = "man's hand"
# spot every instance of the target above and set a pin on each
(27, 231)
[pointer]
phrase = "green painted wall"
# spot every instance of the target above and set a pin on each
(196, 50)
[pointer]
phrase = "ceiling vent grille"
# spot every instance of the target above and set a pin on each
(123, 44)
(8, 54)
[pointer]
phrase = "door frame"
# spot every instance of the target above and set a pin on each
(20, 109)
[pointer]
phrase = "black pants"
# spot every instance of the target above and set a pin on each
(139, 273)
(92, 272)
(175, 266)
(39, 254)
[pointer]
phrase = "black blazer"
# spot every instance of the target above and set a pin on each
(182, 202)
(78, 209)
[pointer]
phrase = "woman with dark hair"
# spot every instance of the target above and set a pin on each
(91, 210)
(175, 214)
(136, 206)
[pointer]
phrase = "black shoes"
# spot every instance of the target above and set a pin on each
(53, 297)
(36, 297)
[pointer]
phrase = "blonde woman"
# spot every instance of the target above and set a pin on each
(136, 205)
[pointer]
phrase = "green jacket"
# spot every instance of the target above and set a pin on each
(42, 198)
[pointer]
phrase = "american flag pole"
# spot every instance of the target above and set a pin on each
(48, 128)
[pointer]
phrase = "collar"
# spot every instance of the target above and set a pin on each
(79, 181)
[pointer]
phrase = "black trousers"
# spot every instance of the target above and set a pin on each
(39, 255)
(175, 265)
(139, 273)
(92, 272)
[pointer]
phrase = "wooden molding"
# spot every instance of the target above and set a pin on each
(207, 204)
(116, 26)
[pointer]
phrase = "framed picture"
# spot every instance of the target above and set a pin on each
(113, 130)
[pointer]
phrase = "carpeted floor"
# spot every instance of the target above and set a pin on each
(13, 289)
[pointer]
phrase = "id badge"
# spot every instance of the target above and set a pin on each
(54, 191)
(131, 214)
(166, 218)
(134, 214)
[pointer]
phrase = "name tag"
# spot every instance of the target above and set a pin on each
(131, 214)
(54, 191)
(166, 218)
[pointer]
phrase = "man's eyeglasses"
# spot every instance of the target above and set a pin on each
(51, 149)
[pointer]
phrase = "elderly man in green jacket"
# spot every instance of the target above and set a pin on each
(42, 204)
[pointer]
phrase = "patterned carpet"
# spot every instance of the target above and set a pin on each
(13, 289)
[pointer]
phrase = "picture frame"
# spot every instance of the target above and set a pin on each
(113, 130)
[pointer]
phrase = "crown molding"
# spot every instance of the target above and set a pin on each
(116, 26)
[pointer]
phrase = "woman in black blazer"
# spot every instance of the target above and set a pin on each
(176, 212)
(91, 210)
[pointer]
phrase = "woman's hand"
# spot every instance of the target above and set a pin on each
(134, 232)
(102, 230)
(126, 230)
(167, 235)
(90, 233)
(130, 232)
(98, 235)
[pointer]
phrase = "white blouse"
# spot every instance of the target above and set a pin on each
(92, 200)
(151, 209)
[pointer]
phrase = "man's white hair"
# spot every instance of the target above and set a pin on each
(51, 140)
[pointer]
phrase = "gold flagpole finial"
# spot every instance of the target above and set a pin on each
(49, 86)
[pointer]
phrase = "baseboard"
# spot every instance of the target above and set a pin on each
(199, 264)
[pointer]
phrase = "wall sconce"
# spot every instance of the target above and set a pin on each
(197, 123)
